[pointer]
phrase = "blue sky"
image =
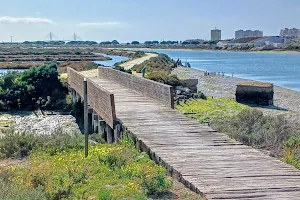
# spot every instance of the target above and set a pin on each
(127, 20)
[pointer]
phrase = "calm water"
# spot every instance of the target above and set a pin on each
(5, 71)
(282, 69)
(115, 59)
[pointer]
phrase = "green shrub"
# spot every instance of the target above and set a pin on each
(11, 191)
(211, 110)
(122, 69)
(291, 153)
(138, 54)
(20, 88)
(19, 145)
(162, 63)
(164, 77)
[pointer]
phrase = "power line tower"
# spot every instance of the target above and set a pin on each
(11, 39)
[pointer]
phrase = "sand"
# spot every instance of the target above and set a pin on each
(129, 64)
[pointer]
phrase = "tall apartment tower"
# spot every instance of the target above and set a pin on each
(248, 33)
(216, 34)
(290, 33)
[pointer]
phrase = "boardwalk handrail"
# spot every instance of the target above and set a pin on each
(99, 99)
(152, 89)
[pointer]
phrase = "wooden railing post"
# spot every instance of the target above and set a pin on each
(86, 122)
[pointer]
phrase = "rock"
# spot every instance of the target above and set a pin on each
(178, 92)
(49, 124)
(187, 90)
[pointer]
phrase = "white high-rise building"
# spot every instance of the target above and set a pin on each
(290, 33)
(248, 33)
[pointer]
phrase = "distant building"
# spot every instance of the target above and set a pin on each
(222, 44)
(272, 41)
(248, 33)
(216, 35)
(290, 33)
(194, 41)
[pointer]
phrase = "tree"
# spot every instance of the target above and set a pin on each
(135, 42)
(115, 42)
(106, 43)
(148, 43)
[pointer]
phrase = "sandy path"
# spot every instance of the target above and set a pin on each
(129, 64)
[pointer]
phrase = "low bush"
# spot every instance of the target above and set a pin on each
(210, 110)
(138, 54)
(251, 127)
(122, 69)
(109, 172)
(291, 151)
(19, 145)
(11, 191)
(23, 89)
(162, 63)
(164, 77)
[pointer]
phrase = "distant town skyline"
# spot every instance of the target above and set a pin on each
(128, 20)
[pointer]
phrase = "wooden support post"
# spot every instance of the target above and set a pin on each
(102, 125)
(109, 133)
(78, 98)
(95, 123)
(90, 123)
(117, 133)
(86, 120)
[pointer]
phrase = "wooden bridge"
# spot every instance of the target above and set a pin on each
(207, 162)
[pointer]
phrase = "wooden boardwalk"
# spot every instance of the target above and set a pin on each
(204, 159)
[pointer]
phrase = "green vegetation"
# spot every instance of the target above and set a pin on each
(60, 171)
(292, 47)
(78, 66)
(164, 77)
(160, 63)
(211, 109)
(122, 69)
(23, 89)
(249, 126)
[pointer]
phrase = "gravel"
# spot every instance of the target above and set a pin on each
(38, 123)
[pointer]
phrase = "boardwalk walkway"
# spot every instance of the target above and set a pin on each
(206, 160)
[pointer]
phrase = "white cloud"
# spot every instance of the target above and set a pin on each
(25, 20)
(102, 24)
(38, 13)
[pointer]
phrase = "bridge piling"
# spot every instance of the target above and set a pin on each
(90, 121)
(95, 122)
(117, 133)
(109, 134)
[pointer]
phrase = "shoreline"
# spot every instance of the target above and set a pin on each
(212, 50)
